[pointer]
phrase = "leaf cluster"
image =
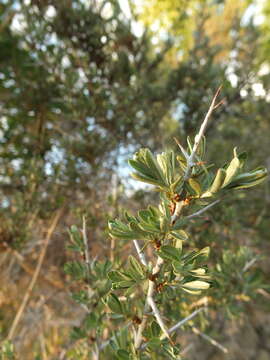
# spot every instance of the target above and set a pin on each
(181, 184)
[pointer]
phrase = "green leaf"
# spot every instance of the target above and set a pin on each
(205, 252)
(200, 255)
(195, 186)
(202, 147)
(149, 228)
(122, 355)
(148, 169)
(154, 211)
(7, 350)
(192, 292)
(154, 166)
(155, 329)
(168, 252)
(128, 217)
(196, 285)
(233, 168)
(144, 215)
(105, 268)
(91, 321)
(219, 180)
(76, 269)
(127, 232)
(137, 270)
(190, 145)
(177, 185)
(138, 230)
(178, 225)
(76, 239)
(166, 161)
(177, 267)
(81, 297)
(165, 210)
(248, 185)
(74, 229)
(141, 168)
(114, 304)
(147, 179)
(250, 179)
(164, 224)
(148, 222)
(125, 284)
(77, 333)
(116, 276)
(178, 244)
(198, 272)
(153, 344)
(180, 234)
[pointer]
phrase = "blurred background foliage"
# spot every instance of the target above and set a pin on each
(84, 84)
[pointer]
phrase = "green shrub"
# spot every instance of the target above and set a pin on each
(135, 306)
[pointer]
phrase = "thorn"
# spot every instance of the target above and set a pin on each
(220, 103)
(181, 148)
(215, 96)
(218, 90)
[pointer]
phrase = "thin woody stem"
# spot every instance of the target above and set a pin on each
(198, 137)
(197, 213)
(150, 303)
(186, 319)
(209, 339)
(140, 252)
(138, 336)
(190, 159)
(181, 323)
(179, 205)
(87, 256)
(249, 264)
(150, 299)
(33, 281)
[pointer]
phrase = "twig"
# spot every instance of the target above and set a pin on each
(186, 349)
(211, 340)
(263, 293)
(198, 137)
(181, 148)
(138, 337)
(86, 247)
(31, 271)
(95, 353)
(140, 252)
(35, 276)
(186, 319)
(87, 259)
(249, 264)
(178, 208)
(197, 213)
(88, 275)
(181, 323)
(158, 317)
(190, 159)
(150, 303)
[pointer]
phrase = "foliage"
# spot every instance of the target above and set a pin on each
(80, 90)
(7, 351)
(144, 293)
(180, 20)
